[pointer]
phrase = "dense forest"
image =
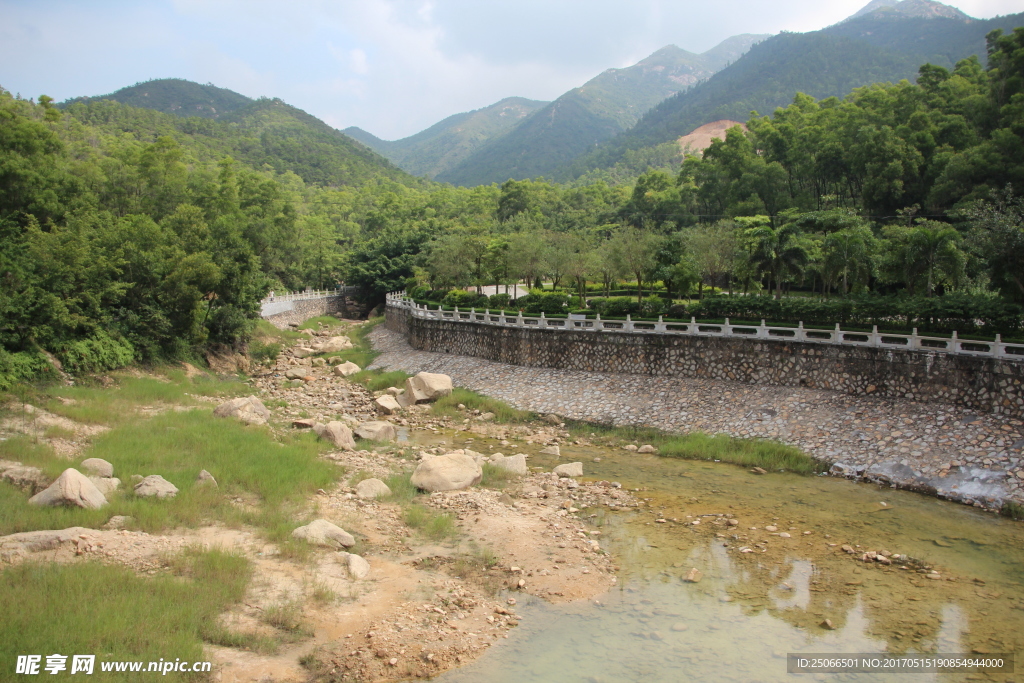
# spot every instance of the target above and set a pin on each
(133, 235)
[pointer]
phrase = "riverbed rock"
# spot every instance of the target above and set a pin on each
(346, 369)
(358, 568)
(449, 472)
(98, 467)
(118, 522)
(29, 479)
(515, 464)
(206, 479)
(296, 373)
(106, 485)
(73, 489)
(372, 488)
(426, 387)
(323, 533)
(569, 469)
(377, 431)
(646, 448)
(156, 486)
(693, 576)
(386, 404)
(302, 352)
(337, 433)
(553, 419)
(333, 345)
(551, 450)
(248, 409)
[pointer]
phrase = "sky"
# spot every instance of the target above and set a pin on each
(391, 67)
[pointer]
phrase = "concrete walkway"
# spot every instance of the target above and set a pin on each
(936, 448)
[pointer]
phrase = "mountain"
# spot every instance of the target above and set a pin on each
(176, 96)
(598, 110)
(910, 8)
(888, 43)
(445, 144)
(264, 133)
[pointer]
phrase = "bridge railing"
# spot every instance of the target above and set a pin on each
(886, 340)
(309, 294)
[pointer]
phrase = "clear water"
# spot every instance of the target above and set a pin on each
(749, 610)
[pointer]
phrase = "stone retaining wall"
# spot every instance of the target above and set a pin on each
(302, 310)
(985, 384)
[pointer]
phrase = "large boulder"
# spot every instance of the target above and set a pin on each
(386, 404)
(377, 431)
(333, 345)
(155, 486)
(321, 532)
(569, 469)
(337, 433)
(296, 373)
(98, 467)
(426, 387)
(346, 369)
(515, 464)
(72, 488)
(248, 409)
(372, 488)
(447, 473)
(206, 479)
(302, 352)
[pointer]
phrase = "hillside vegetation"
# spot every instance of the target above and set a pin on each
(175, 96)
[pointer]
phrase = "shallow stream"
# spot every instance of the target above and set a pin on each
(749, 609)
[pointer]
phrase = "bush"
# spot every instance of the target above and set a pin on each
(463, 299)
(20, 366)
(621, 306)
(537, 302)
(499, 301)
(96, 354)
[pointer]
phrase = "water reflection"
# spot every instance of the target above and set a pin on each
(750, 609)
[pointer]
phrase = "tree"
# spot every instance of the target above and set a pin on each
(711, 251)
(639, 252)
(925, 255)
(779, 252)
(849, 256)
(999, 229)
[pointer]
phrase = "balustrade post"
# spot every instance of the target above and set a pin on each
(838, 335)
(726, 329)
(801, 334)
(955, 345)
(628, 325)
(876, 339)
(997, 348)
(598, 325)
(692, 327)
(660, 326)
(543, 320)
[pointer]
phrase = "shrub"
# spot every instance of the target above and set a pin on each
(537, 302)
(19, 366)
(463, 299)
(95, 354)
(499, 301)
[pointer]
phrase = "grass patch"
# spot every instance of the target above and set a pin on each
(272, 478)
(402, 490)
(362, 354)
(266, 332)
(497, 477)
(375, 380)
(769, 455)
(476, 565)
(108, 610)
(449, 407)
(287, 617)
(437, 526)
(1012, 510)
(320, 320)
(107, 406)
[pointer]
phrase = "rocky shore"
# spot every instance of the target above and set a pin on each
(937, 449)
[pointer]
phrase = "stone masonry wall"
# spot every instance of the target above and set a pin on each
(305, 309)
(983, 384)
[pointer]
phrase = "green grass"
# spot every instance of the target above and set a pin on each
(1012, 510)
(109, 611)
(362, 354)
(497, 477)
(107, 406)
(402, 490)
(437, 526)
(264, 329)
(272, 478)
(315, 323)
(448, 406)
(375, 380)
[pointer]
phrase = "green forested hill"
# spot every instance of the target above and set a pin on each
(583, 117)
(176, 96)
(265, 133)
(444, 145)
(877, 47)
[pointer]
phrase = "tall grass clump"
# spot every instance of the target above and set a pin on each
(437, 526)
(109, 611)
(402, 490)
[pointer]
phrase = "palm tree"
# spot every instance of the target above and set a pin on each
(780, 252)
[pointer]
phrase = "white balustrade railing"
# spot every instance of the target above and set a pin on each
(308, 294)
(886, 340)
